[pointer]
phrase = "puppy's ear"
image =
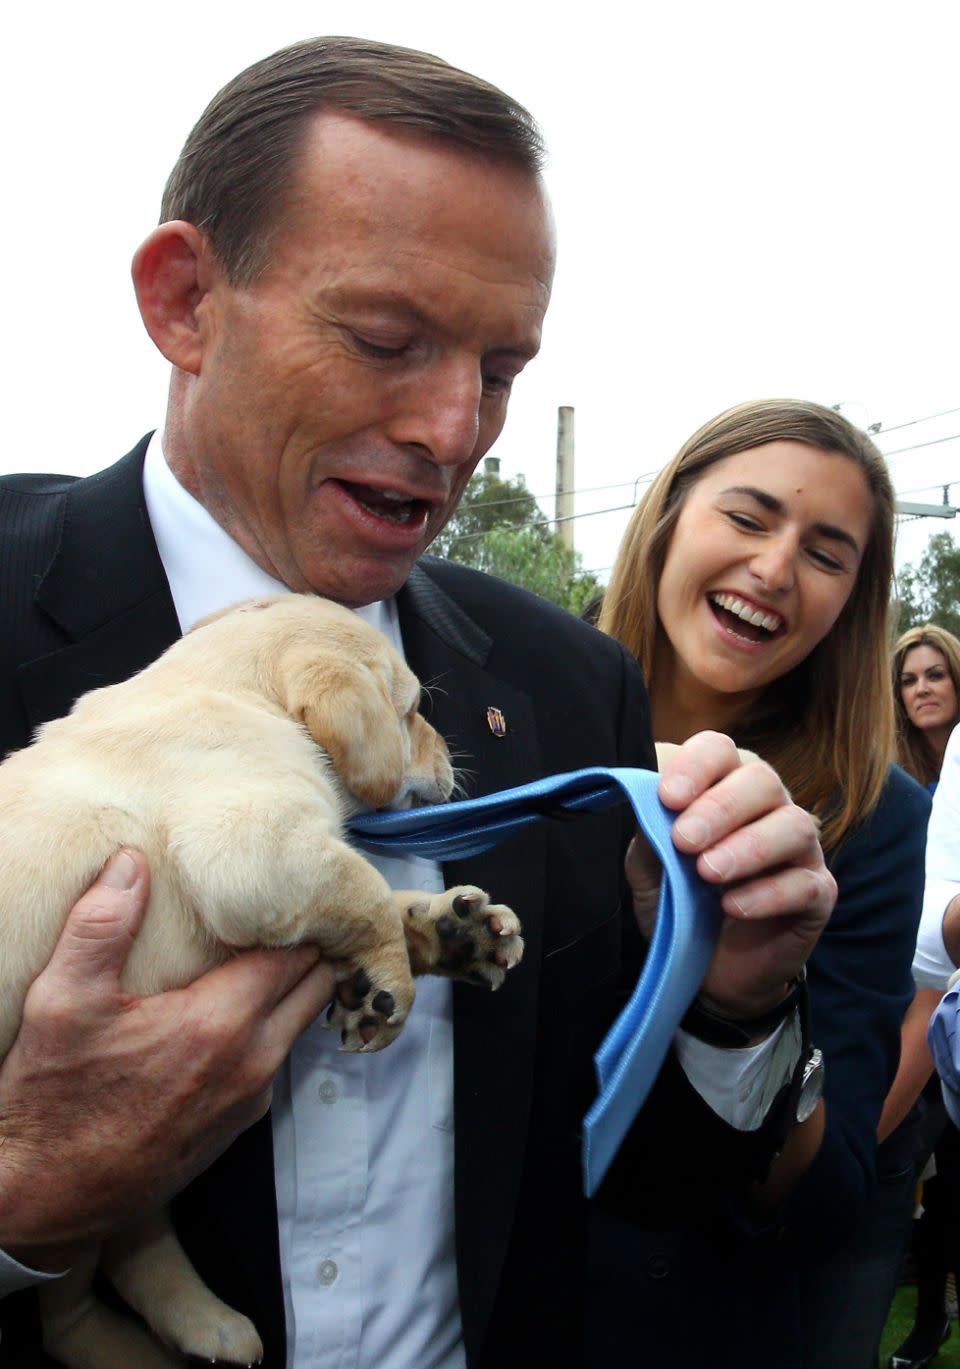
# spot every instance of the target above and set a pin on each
(345, 708)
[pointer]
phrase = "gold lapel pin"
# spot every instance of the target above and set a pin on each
(496, 722)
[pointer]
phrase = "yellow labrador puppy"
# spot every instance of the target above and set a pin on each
(232, 762)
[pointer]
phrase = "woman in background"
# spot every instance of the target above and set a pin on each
(926, 690)
(753, 586)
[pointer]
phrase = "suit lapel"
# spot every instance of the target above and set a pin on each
(494, 1034)
(104, 589)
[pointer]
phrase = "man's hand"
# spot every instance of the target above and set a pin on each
(747, 836)
(110, 1103)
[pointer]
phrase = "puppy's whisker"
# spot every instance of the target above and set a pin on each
(460, 775)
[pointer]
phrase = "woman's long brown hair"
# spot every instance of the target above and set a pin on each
(827, 726)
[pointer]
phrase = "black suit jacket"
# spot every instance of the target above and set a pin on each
(86, 604)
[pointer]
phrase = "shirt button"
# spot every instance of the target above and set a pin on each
(327, 1272)
(328, 1091)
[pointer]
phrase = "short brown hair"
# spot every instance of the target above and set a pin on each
(231, 177)
(914, 751)
(827, 726)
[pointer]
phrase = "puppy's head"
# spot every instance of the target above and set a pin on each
(365, 717)
(358, 699)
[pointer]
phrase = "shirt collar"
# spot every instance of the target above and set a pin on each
(205, 568)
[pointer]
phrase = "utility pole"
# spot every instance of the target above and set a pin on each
(944, 510)
(565, 477)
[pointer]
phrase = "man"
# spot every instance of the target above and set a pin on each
(353, 266)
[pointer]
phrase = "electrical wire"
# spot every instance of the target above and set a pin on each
(519, 527)
(587, 489)
(935, 442)
(936, 485)
(927, 418)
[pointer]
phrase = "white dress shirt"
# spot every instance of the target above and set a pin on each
(932, 967)
(363, 1144)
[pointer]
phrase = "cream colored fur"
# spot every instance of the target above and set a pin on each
(232, 762)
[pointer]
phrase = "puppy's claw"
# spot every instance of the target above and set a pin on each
(466, 937)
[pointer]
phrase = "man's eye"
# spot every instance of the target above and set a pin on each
(497, 385)
(376, 349)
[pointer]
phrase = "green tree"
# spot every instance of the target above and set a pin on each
(500, 528)
(930, 592)
(488, 502)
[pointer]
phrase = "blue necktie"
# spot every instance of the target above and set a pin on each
(688, 923)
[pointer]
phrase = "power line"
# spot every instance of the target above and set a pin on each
(936, 485)
(587, 489)
(935, 442)
(881, 430)
(519, 527)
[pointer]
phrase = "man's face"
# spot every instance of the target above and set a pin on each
(344, 399)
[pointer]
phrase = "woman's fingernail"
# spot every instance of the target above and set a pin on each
(693, 830)
(120, 871)
(720, 860)
(676, 789)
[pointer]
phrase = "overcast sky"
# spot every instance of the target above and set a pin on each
(753, 199)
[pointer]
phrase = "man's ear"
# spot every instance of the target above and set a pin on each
(172, 271)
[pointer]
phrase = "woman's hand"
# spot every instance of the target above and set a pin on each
(747, 835)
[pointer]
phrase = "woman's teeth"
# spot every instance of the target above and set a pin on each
(769, 622)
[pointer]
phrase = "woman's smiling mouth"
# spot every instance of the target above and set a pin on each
(744, 620)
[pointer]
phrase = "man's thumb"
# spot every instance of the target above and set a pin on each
(99, 930)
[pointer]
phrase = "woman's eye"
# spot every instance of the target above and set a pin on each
(744, 520)
(824, 559)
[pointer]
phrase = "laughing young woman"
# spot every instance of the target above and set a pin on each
(753, 586)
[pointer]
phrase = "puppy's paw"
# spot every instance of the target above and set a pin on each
(226, 1337)
(460, 933)
(367, 1015)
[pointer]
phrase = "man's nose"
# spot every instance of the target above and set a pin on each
(440, 412)
(775, 563)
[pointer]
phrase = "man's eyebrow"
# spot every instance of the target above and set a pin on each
(772, 504)
(396, 302)
(360, 297)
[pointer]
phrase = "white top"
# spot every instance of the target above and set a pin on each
(932, 967)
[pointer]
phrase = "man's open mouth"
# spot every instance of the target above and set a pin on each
(744, 620)
(389, 505)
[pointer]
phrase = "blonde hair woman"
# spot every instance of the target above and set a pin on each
(926, 691)
(753, 586)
